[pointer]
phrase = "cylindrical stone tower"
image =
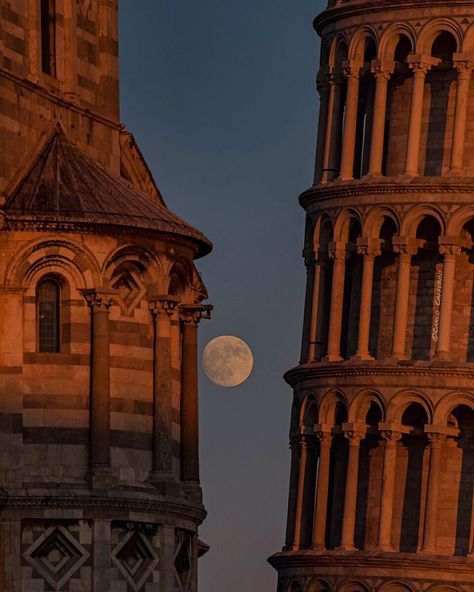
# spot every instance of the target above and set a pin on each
(100, 302)
(382, 426)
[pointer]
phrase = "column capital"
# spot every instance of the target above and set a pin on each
(391, 437)
(436, 439)
(163, 305)
(354, 432)
(449, 246)
(382, 69)
(191, 314)
(463, 64)
(323, 80)
(100, 298)
(337, 250)
(351, 69)
(369, 247)
(421, 64)
(323, 433)
(404, 245)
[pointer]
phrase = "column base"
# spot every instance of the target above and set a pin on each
(192, 489)
(442, 357)
(101, 477)
(362, 357)
(164, 483)
(385, 549)
(333, 358)
(343, 547)
(428, 551)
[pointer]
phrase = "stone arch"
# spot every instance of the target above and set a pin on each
(395, 587)
(343, 222)
(390, 39)
(353, 586)
(415, 215)
(318, 586)
(433, 29)
(359, 42)
(448, 403)
(309, 411)
(295, 586)
(458, 220)
(468, 43)
(179, 280)
(399, 403)
(141, 257)
(64, 254)
(323, 231)
(328, 408)
(361, 403)
(339, 51)
(375, 219)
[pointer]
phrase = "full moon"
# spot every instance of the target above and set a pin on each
(227, 361)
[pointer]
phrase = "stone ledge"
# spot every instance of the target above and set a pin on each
(374, 561)
(363, 7)
(111, 501)
(400, 184)
(378, 368)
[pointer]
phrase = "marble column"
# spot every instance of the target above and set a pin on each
(350, 499)
(190, 317)
(337, 252)
(293, 493)
(402, 299)
(437, 443)
(388, 489)
(350, 123)
(369, 250)
(326, 102)
(382, 77)
(162, 308)
(318, 299)
(100, 302)
(464, 69)
(299, 498)
(420, 68)
(322, 489)
(309, 305)
(449, 253)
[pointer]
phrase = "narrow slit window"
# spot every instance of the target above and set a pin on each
(48, 316)
(48, 36)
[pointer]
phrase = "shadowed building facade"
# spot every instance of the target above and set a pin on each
(100, 303)
(382, 425)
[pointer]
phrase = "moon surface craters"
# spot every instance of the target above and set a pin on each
(227, 361)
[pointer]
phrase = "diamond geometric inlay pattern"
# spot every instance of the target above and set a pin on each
(135, 558)
(182, 560)
(85, 5)
(56, 555)
(130, 289)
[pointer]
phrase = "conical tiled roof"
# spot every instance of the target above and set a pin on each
(65, 184)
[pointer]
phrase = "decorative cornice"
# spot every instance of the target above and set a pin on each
(385, 186)
(348, 369)
(362, 7)
(184, 510)
(374, 561)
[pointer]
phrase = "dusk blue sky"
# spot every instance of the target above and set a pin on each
(221, 98)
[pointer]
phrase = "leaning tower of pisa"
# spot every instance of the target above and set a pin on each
(382, 425)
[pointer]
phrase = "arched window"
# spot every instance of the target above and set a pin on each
(48, 316)
(48, 37)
